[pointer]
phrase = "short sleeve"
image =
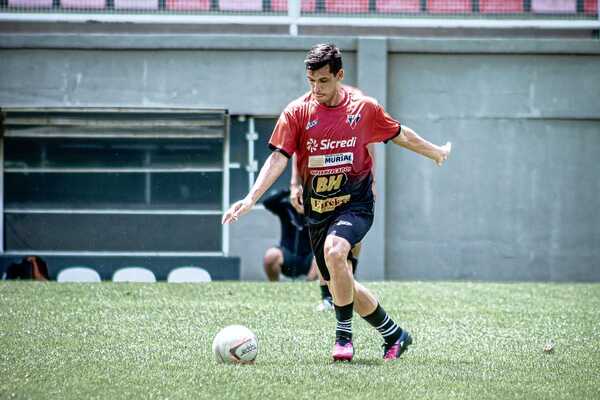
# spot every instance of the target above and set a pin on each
(384, 126)
(285, 134)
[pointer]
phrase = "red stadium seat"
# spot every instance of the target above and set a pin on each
(590, 7)
(30, 3)
(398, 6)
(347, 6)
(501, 6)
(240, 5)
(449, 6)
(187, 5)
(305, 5)
(136, 4)
(83, 4)
(554, 6)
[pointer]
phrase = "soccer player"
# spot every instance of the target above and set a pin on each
(329, 129)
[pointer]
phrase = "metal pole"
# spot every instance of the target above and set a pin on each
(225, 228)
(294, 14)
(252, 166)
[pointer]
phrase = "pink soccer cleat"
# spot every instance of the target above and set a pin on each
(343, 352)
(396, 349)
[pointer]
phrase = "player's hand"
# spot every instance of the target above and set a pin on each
(444, 153)
(238, 209)
(296, 198)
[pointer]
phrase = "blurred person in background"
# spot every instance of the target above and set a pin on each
(29, 268)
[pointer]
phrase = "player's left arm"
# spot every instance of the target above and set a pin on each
(409, 139)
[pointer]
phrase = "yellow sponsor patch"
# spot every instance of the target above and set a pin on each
(328, 185)
(326, 205)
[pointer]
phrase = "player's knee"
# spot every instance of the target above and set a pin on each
(272, 258)
(336, 251)
(334, 254)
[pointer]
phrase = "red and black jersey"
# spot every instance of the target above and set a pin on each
(330, 144)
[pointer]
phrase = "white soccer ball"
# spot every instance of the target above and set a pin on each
(235, 344)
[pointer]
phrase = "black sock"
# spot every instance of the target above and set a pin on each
(325, 293)
(381, 321)
(343, 329)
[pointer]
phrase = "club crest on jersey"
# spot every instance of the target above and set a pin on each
(312, 124)
(353, 120)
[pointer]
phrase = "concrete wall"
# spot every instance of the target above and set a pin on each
(258, 76)
(516, 201)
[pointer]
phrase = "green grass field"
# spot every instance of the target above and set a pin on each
(472, 340)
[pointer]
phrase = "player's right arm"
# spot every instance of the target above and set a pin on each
(270, 171)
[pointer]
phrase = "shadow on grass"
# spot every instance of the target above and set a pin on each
(358, 362)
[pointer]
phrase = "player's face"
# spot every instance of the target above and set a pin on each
(324, 85)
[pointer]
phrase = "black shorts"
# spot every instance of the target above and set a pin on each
(295, 264)
(351, 225)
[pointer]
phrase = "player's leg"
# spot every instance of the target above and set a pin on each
(343, 349)
(326, 303)
(341, 284)
(272, 261)
(348, 229)
(326, 297)
(395, 339)
(336, 257)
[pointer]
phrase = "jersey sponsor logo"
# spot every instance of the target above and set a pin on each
(328, 144)
(327, 205)
(312, 124)
(330, 160)
(353, 120)
(330, 171)
(328, 185)
(311, 145)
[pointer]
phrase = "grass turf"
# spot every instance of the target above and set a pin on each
(472, 340)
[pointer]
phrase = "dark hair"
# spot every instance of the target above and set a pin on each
(324, 54)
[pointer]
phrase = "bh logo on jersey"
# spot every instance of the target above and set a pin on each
(328, 185)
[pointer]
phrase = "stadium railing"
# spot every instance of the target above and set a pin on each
(552, 14)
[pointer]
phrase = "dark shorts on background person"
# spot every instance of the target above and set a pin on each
(295, 264)
(351, 225)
